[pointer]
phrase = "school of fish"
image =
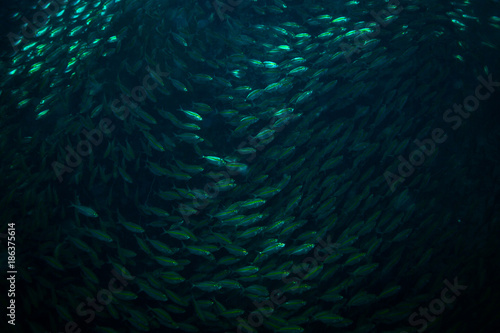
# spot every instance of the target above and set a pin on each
(197, 166)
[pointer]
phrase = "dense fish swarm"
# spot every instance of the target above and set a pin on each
(251, 166)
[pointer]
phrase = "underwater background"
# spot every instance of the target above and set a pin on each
(250, 166)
